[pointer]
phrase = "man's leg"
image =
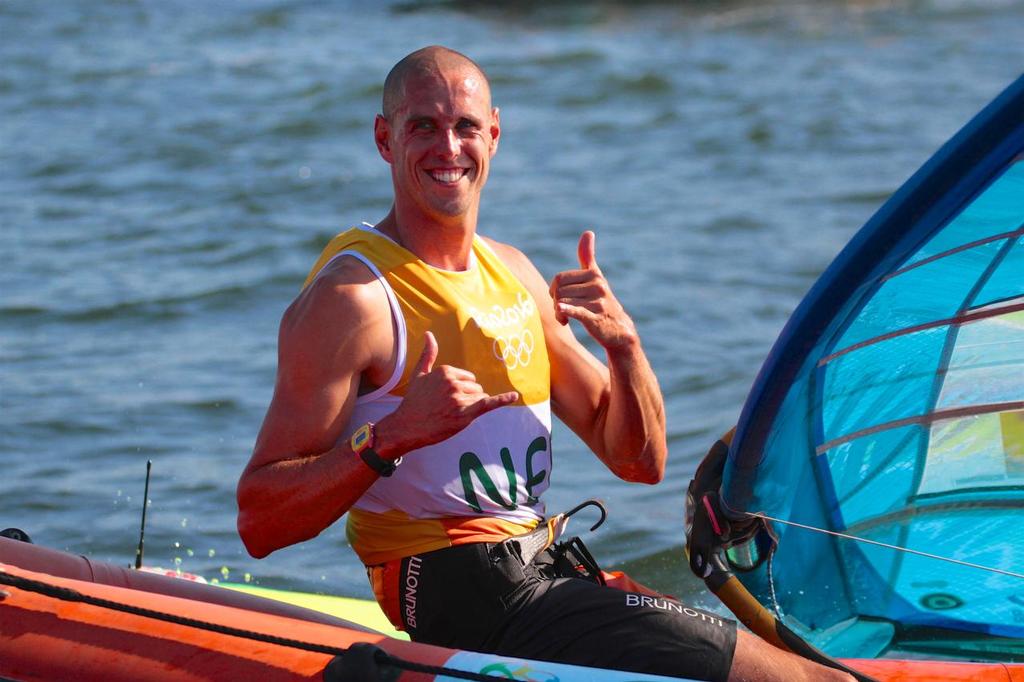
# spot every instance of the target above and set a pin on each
(755, 660)
(575, 621)
(474, 597)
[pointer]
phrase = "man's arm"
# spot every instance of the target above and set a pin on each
(300, 479)
(337, 334)
(617, 410)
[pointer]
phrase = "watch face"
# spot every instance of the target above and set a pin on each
(361, 438)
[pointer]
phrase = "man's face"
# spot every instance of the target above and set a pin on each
(439, 142)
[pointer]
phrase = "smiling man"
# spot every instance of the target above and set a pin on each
(418, 369)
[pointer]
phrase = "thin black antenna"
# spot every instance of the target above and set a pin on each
(142, 529)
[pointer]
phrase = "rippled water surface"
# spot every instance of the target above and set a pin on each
(169, 171)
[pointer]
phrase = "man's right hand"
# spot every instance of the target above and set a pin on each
(440, 402)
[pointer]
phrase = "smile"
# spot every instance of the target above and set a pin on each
(448, 175)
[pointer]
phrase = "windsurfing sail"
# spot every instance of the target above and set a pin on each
(891, 408)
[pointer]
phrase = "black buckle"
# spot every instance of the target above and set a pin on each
(572, 559)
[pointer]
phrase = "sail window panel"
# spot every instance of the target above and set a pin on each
(969, 455)
(928, 591)
(872, 571)
(1007, 282)
(875, 474)
(986, 366)
(998, 209)
(820, 599)
(958, 596)
(880, 385)
(924, 295)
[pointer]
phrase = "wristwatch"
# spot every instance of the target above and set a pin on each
(362, 442)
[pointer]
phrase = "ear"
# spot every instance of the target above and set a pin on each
(495, 129)
(381, 135)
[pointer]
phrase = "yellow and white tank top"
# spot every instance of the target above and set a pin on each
(484, 483)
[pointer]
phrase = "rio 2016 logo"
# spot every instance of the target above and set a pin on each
(532, 671)
(523, 673)
(515, 350)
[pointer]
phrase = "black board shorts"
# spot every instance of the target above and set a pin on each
(481, 597)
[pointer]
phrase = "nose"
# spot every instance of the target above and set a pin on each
(447, 144)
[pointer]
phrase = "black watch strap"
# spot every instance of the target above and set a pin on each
(381, 466)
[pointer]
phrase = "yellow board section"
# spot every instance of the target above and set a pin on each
(360, 611)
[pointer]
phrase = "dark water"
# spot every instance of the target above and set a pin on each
(169, 170)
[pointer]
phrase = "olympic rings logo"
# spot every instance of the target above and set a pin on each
(514, 350)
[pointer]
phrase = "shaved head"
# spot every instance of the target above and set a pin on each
(430, 61)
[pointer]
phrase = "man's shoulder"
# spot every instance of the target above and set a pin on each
(343, 270)
(514, 259)
(343, 286)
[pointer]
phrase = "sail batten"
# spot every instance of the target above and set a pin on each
(925, 419)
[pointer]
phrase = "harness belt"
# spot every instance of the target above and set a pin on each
(529, 545)
(397, 584)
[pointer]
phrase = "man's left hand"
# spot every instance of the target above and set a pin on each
(585, 295)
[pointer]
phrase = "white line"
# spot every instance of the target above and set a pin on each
(883, 544)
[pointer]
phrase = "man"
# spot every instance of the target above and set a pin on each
(417, 370)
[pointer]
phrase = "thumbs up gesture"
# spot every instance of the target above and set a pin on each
(585, 295)
(441, 401)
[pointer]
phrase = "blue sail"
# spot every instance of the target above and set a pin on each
(891, 408)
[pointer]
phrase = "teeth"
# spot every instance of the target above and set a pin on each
(448, 175)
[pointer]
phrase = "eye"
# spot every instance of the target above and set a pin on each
(466, 124)
(422, 124)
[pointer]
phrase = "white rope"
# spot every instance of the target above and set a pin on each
(883, 544)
